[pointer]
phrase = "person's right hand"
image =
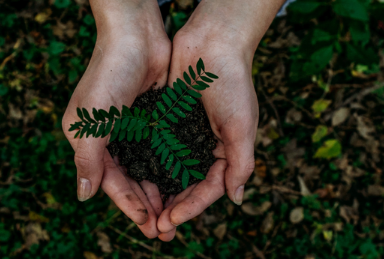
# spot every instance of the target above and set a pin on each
(132, 54)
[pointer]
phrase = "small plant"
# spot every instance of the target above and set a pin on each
(139, 125)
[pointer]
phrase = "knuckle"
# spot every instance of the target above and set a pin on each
(82, 162)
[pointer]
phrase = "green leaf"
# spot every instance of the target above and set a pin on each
(172, 118)
(138, 135)
(185, 106)
(97, 116)
(211, 75)
(206, 79)
(320, 132)
(320, 105)
(87, 117)
(194, 93)
(181, 84)
(178, 146)
(200, 66)
(172, 141)
(156, 143)
(304, 6)
(79, 113)
(130, 135)
(77, 134)
(351, 9)
(163, 124)
(185, 179)
(201, 83)
(191, 162)
(93, 129)
(155, 135)
(167, 100)
(197, 175)
(75, 126)
(192, 73)
(161, 107)
(179, 112)
(164, 132)
(155, 115)
(108, 128)
(122, 135)
(164, 155)
(360, 32)
(169, 163)
(100, 130)
(199, 87)
(171, 93)
(146, 132)
(176, 170)
(330, 149)
(187, 78)
(116, 127)
(113, 136)
(104, 113)
(184, 152)
(168, 136)
(160, 149)
(142, 114)
(4, 236)
(114, 111)
(177, 88)
(124, 123)
(189, 99)
(136, 112)
(126, 111)
(132, 124)
(85, 129)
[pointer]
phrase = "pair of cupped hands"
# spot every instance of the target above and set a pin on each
(132, 54)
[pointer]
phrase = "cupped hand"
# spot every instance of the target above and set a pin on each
(232, 109)
(131, 55)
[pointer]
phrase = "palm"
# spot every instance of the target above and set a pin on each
(231, 106)
(116, 76)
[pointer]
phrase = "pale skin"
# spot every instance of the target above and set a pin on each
(133, 54)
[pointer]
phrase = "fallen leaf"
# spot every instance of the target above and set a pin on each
(267, 224)
(331, 148)
(365, 127)
(250, 209)
(220, 231)
(33, 233)
(89, 255)
(252, 233)
(376, 190)
(248, 193)
(320, 105)
(260, 168)
(303, 187)
(340, 116)
(328, 234)
(296, 215)
(320, 132)
(103, 242)
(33, 216)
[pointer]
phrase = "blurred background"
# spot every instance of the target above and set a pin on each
(318, 187)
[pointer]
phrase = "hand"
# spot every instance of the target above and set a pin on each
(132, 54)
(227, 48)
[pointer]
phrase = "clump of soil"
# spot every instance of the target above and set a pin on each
(140, 160)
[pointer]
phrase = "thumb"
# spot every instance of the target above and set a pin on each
(239, 151)
(89, 160)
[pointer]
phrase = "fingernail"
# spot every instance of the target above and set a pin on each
(83, 189)
(174, 224)
(239, 195)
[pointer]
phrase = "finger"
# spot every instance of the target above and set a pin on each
(167, 237)
(239, 151)
(205, 193)
(164, 223)
(149, 229)
(116, 186)
(219, 151)
(89, 160)
(153, 195)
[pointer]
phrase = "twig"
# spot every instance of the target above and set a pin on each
(178, 235)
(360, 95)
(273, 108)
(134, 240)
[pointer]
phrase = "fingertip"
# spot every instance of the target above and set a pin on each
(169, 236)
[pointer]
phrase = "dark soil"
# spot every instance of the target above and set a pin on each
(141, 161)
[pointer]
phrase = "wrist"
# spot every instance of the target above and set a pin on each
(127, 18)
(240, 25)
